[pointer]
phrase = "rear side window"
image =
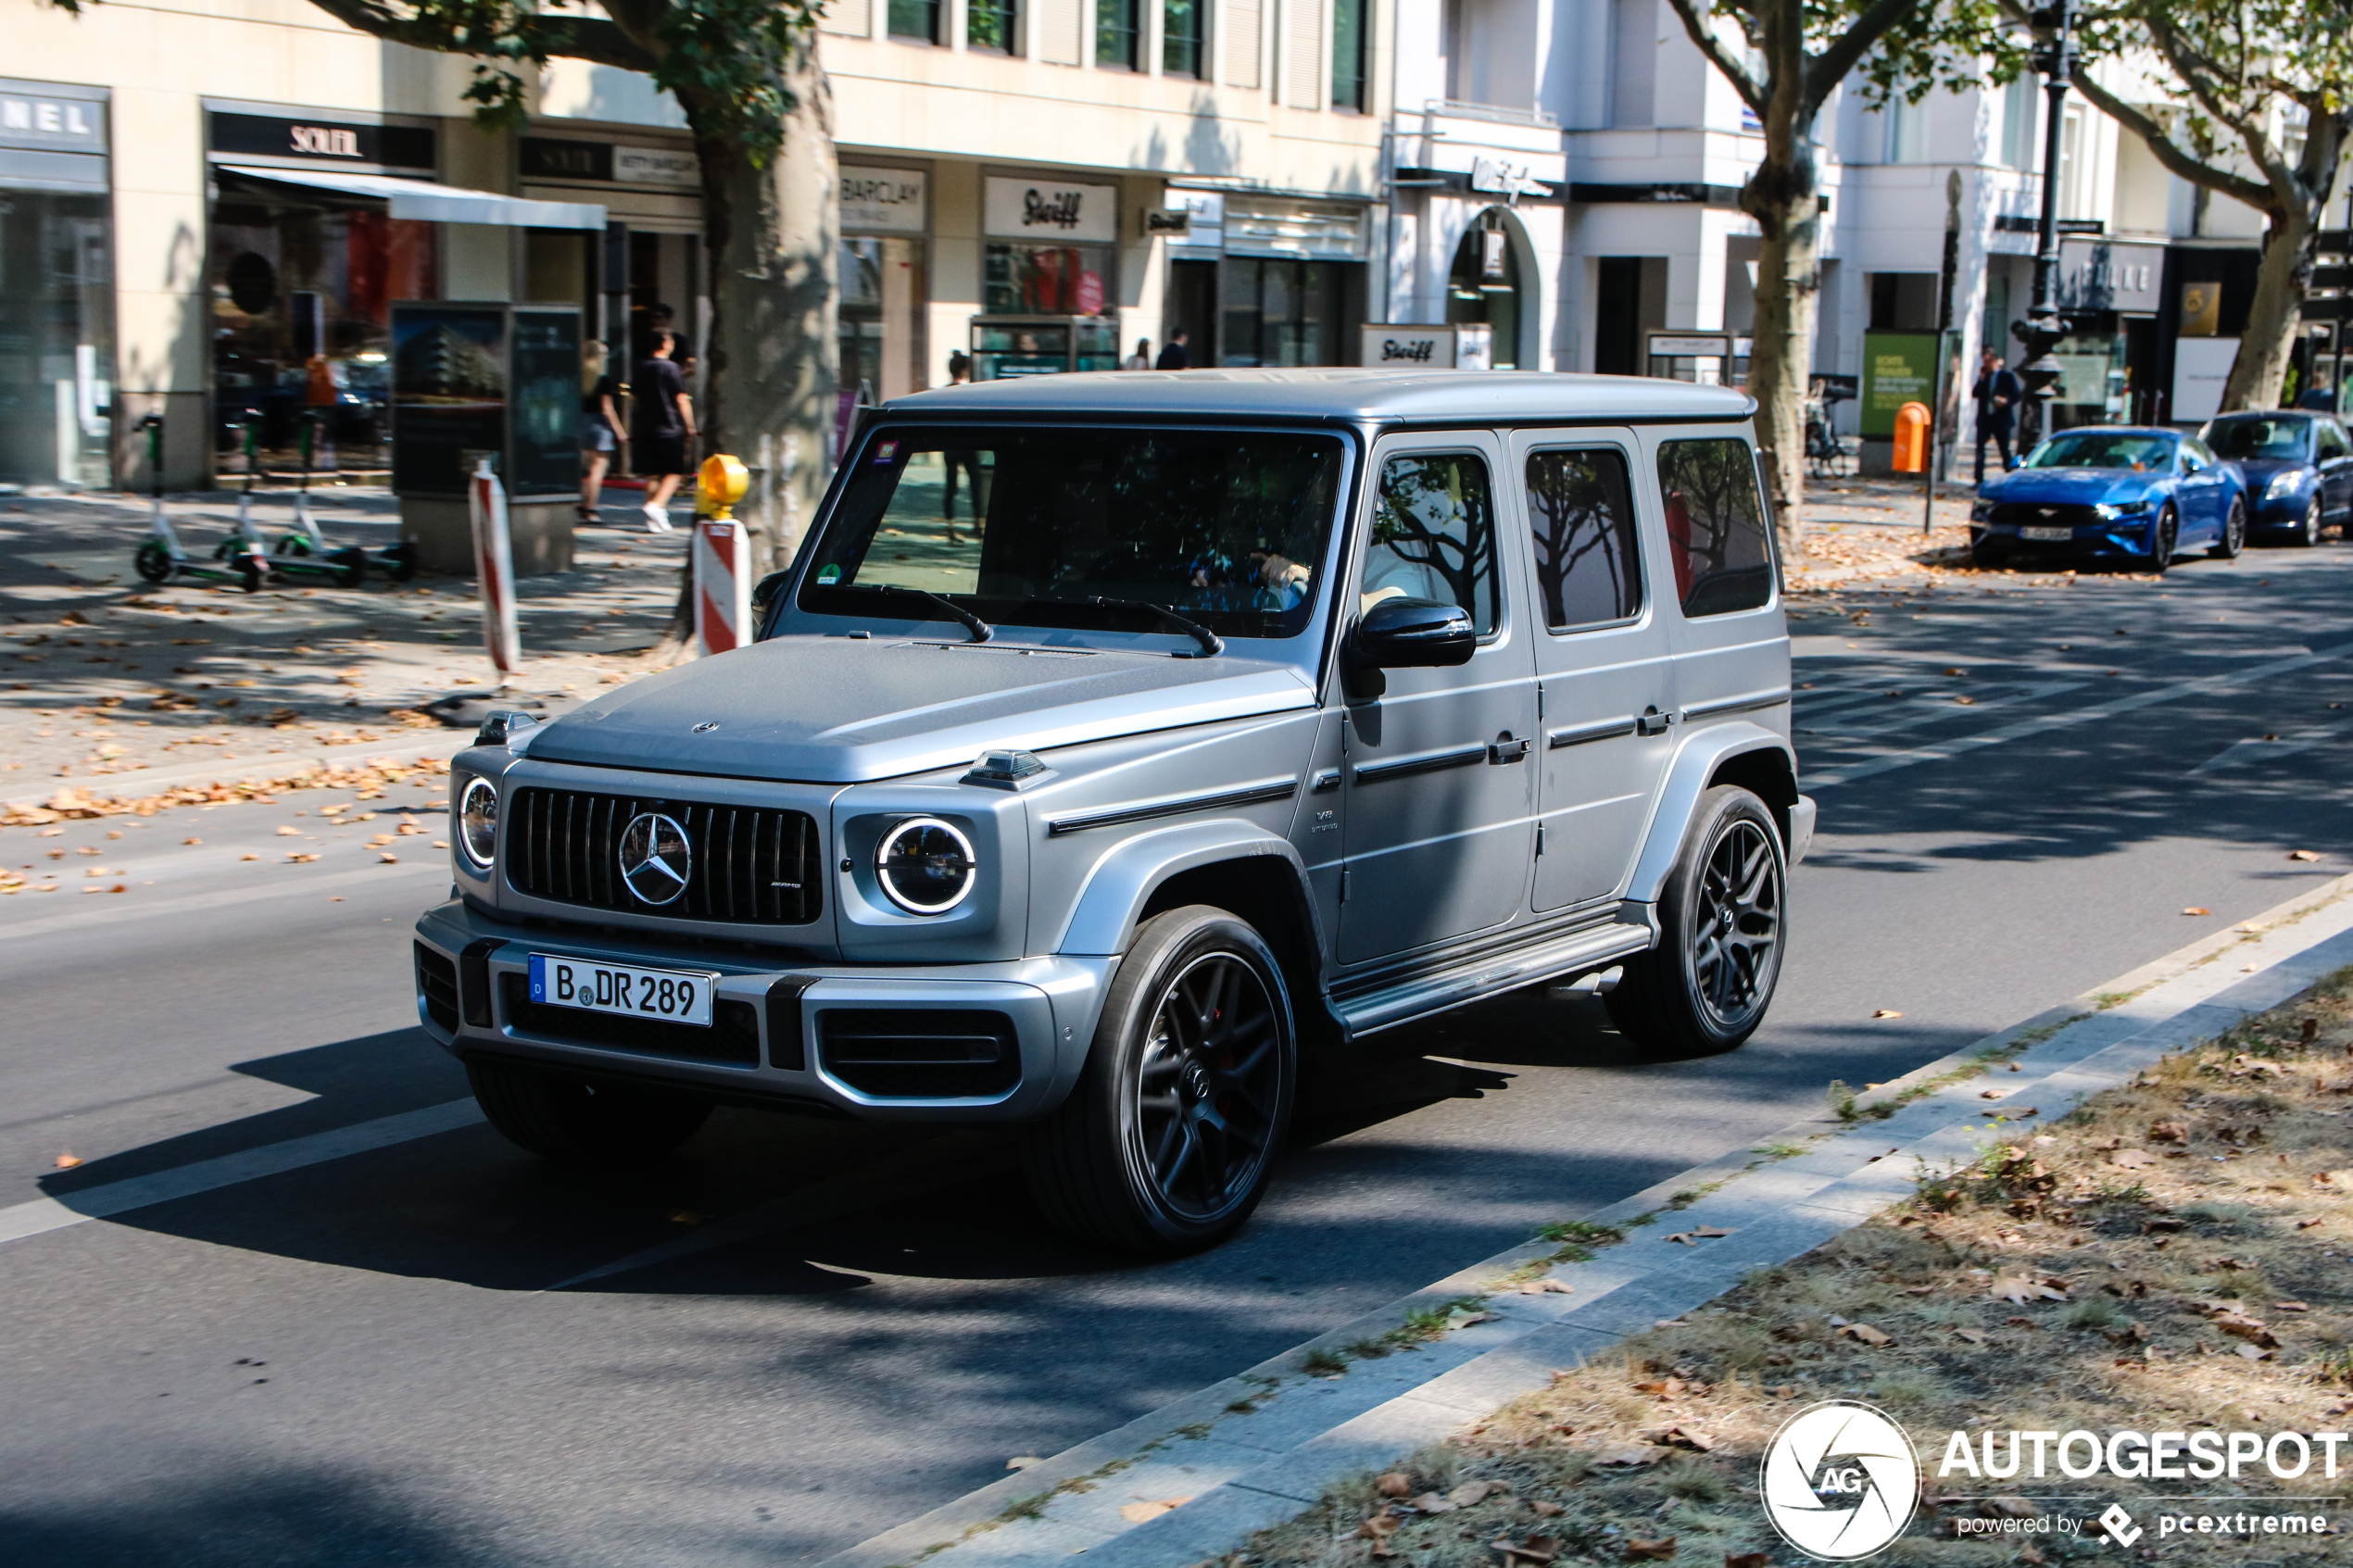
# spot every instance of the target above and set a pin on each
(1715, 523)
(1434, 536)
(1581, 511)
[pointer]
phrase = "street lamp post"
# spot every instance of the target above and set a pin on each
(2055, 56)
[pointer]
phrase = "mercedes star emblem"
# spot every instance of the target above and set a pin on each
(655, 857)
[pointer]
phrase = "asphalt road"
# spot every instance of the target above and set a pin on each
(362, 1360)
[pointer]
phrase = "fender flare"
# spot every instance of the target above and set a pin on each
(1687, 778)
(1103, 916)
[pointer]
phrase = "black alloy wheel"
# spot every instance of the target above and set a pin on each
(2234, 538)
(1708, 983)
(1167, 1144)
(2163, 534)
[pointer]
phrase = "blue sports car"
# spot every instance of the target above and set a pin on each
(2110, 492)
(2299, 467)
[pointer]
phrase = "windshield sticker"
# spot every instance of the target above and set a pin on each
(886, 450)
(829, 575)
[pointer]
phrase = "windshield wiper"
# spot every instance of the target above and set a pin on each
(981, 631)
(1211, 642)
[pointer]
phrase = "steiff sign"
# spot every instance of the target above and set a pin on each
(1049, 209)
(1461, 347)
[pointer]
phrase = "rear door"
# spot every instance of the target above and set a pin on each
(1436, 795)
(1604, 668)
(2334, 452)
(1731, 642)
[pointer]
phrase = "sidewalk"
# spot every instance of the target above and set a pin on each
(1859, 530)
(108, 678)
(1194, 1479)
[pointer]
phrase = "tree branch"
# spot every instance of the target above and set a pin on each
(2169, 152)
(1697, 23)
(1829, 67)
(578, 38)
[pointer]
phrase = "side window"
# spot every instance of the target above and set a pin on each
(2333, 442)
(1581, 511)
(2195, 459)
(1434, 536)
(1716, 522)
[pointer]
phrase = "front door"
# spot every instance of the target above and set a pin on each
(1603, 666)
(2204, 491)
(1437, 791)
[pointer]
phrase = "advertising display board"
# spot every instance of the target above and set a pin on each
(476, 379)
(1898, 367)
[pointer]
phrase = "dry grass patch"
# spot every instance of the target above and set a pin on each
(2176, 1255)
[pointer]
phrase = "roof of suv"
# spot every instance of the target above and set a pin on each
(1444, 396)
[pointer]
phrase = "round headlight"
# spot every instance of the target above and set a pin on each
(925, 866)
(478, 821)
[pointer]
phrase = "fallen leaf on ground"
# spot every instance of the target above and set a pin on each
(1626, 1454)
(1396, 1484)
(1430, 1502)
(2132, 1159)
(1687, 1437)
(287, 830)
(1547, 1509)
(2303, 855)
(249, 855)
(1137, 1513)
(2169, 1132)
(2255, 1353)
(1974, 1335)
(1875, 1338)
(303, 859)
(1747, 1559)
(1536, 1548)
(2291, 1307)
(191, 841)
(1472, 1492)
(1541, 1286)
(2195, 909)
(1023, 1461)
(2022, 1289)
(67, 1161)
(1659, 1551)
(1887, 1013)
(388, 858)
(1709, 1230)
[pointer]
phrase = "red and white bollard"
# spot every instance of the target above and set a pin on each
(494, 570)
(722, 559)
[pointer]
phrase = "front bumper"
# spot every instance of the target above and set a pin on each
(784, 1033)
(2125, 539)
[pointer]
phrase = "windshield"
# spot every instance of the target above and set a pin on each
(1026, 525)
(2284, 439)
(2104, 449)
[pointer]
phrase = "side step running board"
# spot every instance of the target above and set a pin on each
(1592, 948)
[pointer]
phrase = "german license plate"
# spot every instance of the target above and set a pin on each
(2047, 536)
(670, 995)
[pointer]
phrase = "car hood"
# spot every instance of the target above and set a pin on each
(845, 711)
(2083, 487)
(2259, 470)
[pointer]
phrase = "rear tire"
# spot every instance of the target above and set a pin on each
(1169, 1139)
(568, 1120)
(154, 561)
(1705, 986)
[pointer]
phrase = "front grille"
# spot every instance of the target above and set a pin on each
(2030, 514)
(753, 864)
(920, 1053)
(734, 1034)
(438, 984)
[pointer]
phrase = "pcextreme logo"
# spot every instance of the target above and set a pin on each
(1840, 1481)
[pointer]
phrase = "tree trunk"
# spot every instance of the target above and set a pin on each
(1782, 197)
(770, 232)
(2274, 316)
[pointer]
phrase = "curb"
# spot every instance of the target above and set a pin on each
(270, 768)
(1257, 1448)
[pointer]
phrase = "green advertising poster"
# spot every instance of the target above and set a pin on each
(1898, 367)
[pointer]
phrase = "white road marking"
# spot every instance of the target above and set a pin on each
(22, 1220)
(298, 880)
(1947, 749)
(2265, 750)
(1929, 710)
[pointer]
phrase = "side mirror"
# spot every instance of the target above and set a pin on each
(764, 595)
(1407, 634)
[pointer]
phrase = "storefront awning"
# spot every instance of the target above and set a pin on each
(425, 201)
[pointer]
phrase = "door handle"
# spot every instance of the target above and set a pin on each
(1651, 722)
(1506, 750)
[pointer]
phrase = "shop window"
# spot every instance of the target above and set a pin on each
(1118, 26)
(1181, 49)
(1274, 311)
(301, 319)
(1434, 537)
(915, 22)
(1484, 286)
(991, 25)
(1351, 35)
(881, 323)
(1715, 523)
(1036, 280)
(56, 338)
(1581, 509)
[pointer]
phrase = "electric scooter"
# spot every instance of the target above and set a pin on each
(307, 550)
(160, 558)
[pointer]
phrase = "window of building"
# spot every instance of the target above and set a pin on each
(1181, 45)
(1484, 286)
(1434, 537)
(990, 25)
(2075, 171)
(1581, 509)
(56, 337)
(1715, 523)
(1042, 279)
(1905, 125)
(915, 22)
(1118, 30)
(1274, 311)
(1351, 34)
(2019, 115)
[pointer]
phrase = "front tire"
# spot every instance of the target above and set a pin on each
(576, 1122)
(1705, 986)
(2162, 537)
(1169, 1140)
(2234, 538)
(2308, 531)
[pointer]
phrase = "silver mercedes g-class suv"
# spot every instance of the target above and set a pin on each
(1117, 740)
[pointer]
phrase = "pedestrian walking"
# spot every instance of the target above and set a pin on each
(1998, 392)
(601, 432)
(1142, 358)
(1173, 355)
(961, 460)
(663, 426)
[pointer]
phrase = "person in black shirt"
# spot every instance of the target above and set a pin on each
(663, 424)
(1173, 355)
(601, 427)
(1997, 393)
